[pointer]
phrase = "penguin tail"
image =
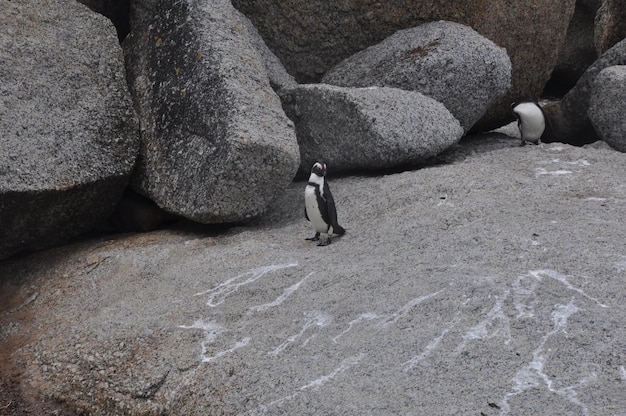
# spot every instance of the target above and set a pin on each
(339, 230)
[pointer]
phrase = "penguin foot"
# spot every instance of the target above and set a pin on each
(326, 242)
(525, 142)
(316, 237)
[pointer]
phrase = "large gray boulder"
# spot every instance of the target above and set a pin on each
(368, 128)
(278, 75)
(116, 10)
(578, 51)
(595, 27)
(69, 134)
(446, 61)
(610, 24)
(312, 36)
(491, 284)
(607, 106)
(569, 120)
(216, 144)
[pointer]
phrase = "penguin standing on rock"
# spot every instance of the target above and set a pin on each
(319, 205)
(531, 121)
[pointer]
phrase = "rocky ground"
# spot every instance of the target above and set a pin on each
(490, 282)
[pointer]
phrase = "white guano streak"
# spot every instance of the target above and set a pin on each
(218, 294)
(279, 300)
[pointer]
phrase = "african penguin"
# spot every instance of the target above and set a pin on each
(531, 121)
(319, 205)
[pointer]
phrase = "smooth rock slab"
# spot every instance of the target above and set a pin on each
(216, 144)
(447, 61)
(367, 128)
(492, 284)
(607, 106)
(69, 137)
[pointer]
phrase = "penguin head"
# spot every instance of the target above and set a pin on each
(319, 169)
(513, 105)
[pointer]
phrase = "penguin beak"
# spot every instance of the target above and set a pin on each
(319, 168)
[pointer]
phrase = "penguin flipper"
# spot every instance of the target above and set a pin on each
(331, 217)
(306, 215)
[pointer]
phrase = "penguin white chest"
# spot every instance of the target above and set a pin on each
(313, 210)
(533, 128)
